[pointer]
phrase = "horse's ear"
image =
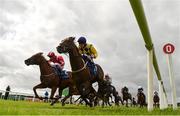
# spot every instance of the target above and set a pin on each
(72, 38)
(40, 53)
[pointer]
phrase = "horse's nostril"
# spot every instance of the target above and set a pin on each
(58, 49)
(26, 62)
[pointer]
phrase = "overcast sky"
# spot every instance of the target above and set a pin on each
(31, 26)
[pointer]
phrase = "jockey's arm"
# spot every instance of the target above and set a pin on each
(94, 52)
(61, 61)
(80, 51)
(50, 62)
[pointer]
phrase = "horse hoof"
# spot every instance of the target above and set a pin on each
(52, 104)
(41, 98)
(90, 105)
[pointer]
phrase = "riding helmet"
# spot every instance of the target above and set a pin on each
(82, 40)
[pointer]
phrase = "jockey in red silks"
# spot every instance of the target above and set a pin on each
(56, 61)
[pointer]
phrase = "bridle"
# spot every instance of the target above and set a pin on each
(65, 48)
(81, 69)
(48, 75)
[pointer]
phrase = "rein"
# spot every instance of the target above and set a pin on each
(79, 70)
(48, 75)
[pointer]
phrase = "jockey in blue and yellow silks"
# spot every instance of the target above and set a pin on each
(88, 53)
(87, 49)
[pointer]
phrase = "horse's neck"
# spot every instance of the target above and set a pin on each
(140, 93)
(76, 60)
(45, 68)
(156, 95)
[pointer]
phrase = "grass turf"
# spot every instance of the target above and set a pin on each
(35, 108)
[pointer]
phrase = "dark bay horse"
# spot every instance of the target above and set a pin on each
(141, 99)
(80, 72)
(118, 99)
(105, 92)
(48, 77)
(126, 95)
(156, 99)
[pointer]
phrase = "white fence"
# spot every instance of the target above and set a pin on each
(17, 96)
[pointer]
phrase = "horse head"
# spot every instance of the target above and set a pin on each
(66, 45)
(34, 60)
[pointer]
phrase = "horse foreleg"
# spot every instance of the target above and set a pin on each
(77, 99)
(126, 103)
(131, 102)
(122, 102)
(56, 99)
(39, 86)
(53, 90)
(65, 98)
(103, 100)
(71, 98)
(86, 101)
(109, 102)
(111, 99)
(96, 101)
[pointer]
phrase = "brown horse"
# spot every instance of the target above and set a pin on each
(141, 99)
(156, 100)
(126, 95)
(48, 77)
(80, 72)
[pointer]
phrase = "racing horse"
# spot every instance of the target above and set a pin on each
(48, 77)
(80, 72)
(105, 92)
(126, 95)
(156, 99)
(141, 99)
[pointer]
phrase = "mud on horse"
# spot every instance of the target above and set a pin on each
(48, 78)
(80, 72)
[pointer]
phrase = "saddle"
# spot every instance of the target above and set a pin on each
(91, 65)
(62, 74)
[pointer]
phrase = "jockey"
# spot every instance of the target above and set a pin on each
(88, 53)
(108, 79)
(126, 89)
(87, 49)
(140, 89)
(56, 61)
(155, 93)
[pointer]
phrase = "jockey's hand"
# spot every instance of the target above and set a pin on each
(51, 63)
(85, 55)
(92, 56)
(89, 58)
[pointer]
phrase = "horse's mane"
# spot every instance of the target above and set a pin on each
(73, 44)
(43, 58)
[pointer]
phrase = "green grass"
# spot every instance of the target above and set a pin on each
(34, 108)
